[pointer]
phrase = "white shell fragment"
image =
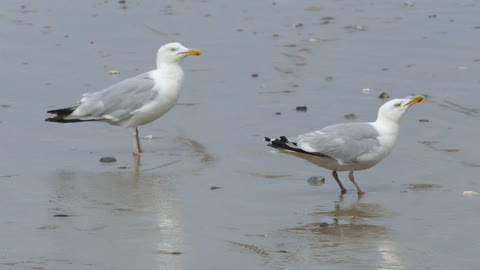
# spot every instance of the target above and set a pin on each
(469, 193)
(114, 72)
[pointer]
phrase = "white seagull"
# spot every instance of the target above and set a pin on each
(135, 101)
(349, 146)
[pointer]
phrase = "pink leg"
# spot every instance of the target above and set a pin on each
(350, 176)
(343, 190)
(137, 149)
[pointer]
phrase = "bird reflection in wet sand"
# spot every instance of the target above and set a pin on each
(350, 220)
(347, 235)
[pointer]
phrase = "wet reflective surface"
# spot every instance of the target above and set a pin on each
(208, 193)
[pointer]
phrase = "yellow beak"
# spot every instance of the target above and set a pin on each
(415, 99)
(193, 51)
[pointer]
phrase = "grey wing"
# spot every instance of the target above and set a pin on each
(344, 142)
(118, 101)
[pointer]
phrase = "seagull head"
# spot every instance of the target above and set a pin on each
(174, 53)
(394, 109)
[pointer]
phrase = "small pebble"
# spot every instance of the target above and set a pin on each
(215, 188)
(108, 160)
(254, 75)
(148, 137)
(301, 108)
(423, 120)
(366, 90)
(316, 180)
(350, 116)
(278, 113)
(384, 95)
(327, 18)
(170, 252)
(299, 25)
(323, 224)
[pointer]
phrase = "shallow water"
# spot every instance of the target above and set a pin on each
(63, 209)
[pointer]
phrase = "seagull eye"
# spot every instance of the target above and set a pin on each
(396, 105)
(173, 49)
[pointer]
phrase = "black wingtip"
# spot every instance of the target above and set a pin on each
(60, 119)
(283, 142)
(63, 111)
(267, 139)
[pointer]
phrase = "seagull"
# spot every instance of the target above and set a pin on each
(134, 101)
(349, 146)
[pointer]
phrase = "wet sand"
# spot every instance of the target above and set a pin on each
(208, 193)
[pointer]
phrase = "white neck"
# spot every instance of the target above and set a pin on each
(387, 126)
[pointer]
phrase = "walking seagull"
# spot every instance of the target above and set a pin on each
(349, 146)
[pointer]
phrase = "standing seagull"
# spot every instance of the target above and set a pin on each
(135, 101)
(349, 146)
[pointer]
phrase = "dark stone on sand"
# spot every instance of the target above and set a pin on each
(278, 113)
(108, 160)
(350, 116)
(323, 224)
(301, 108)
(316, 180)
(255, 75)
(215, 188)
(384, 95)
(423, 120)
(62, 215)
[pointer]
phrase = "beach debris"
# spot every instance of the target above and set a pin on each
(366, 90)
(323, 224)
(114, 72)
(408, 4)
(423, 187)
(469, 193)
